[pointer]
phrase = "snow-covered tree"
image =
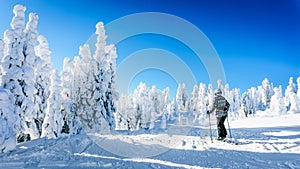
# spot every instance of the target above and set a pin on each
(87, 107)
(43, 66)
(155, 107)
(235, 104)
(104, 77)
(111, 95)
(18, 72)
(155, 99)
(94, 84)
(123, 118)
(277, 102)
(181, 98)
(211, 95)
(266, 93)
(166, 107)
(166, 102)
(53, 121)
(72, 124)
(142, 106)
(250, 101)
(203, 100)
(290, 97)
(8, 121)
(193, 101)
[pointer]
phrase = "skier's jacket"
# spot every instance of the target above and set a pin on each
(221, 106)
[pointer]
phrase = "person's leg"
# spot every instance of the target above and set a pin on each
(222, 127)
(219, 125)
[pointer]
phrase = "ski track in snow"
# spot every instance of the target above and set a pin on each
(272, 145)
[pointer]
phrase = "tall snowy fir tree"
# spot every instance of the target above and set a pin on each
(142, 106)
(277, 105)
(31, 35)
(193, 101)
(85, 104)
(266, 93)
(110, 93)
(155, 108)
(18, 71)
(94, 84)
(166, 108)
(290, 97)
(43, 66)
(53, 121)
(236, 106)
(123, 115)
(227, 93)
(72, 123)
(181, 98)
(202, 101)
(211, 96)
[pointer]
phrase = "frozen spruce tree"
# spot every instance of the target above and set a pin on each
(211, 96)
(86, 106)
(72, 124)
(266, 92)
(193, 102)
(155, 99)
(123, 118)
(181, 98)
(236, 107)
(53, 121)
(8, 120)
(290, 97)
(142, 106)
(166, 108)
(105, 74)
(18, 72)
(43, 66)
(94, 85)
(202, 101)
(277, 102)
(110, 94)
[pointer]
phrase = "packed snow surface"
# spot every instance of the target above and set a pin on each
(263, 142)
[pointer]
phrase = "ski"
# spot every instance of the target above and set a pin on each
(228, 140)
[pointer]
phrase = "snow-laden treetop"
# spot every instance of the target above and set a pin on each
(18, 21)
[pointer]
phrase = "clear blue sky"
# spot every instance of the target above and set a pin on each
(254, 38)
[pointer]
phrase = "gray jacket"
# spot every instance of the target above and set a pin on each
(220, 105)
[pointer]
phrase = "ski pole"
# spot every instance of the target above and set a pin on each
(210, 127)
(229, 127)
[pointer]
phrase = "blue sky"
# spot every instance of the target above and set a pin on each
(254, 38)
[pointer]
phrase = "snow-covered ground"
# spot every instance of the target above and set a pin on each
(263, 142)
